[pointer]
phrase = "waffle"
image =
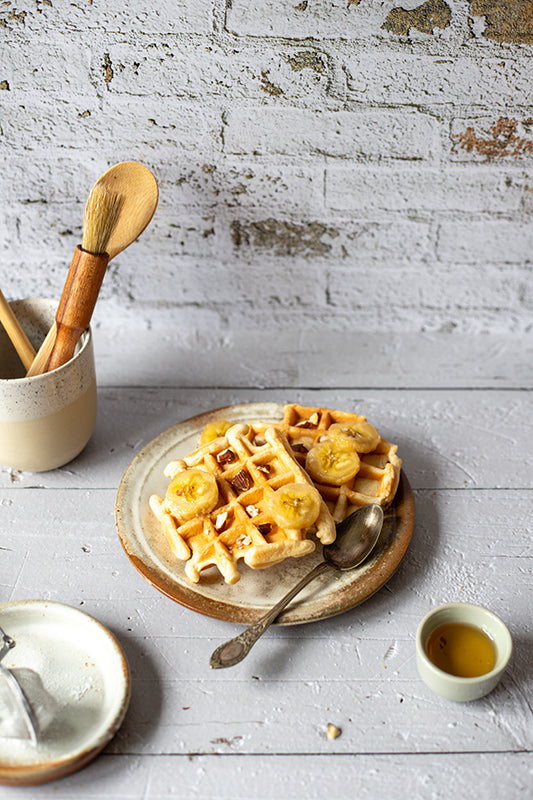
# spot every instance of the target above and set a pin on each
(249, 466)
(379, 473)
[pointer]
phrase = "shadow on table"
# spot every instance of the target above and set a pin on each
(418, 559)
(411, 572)
(519, 674)
(144, 712)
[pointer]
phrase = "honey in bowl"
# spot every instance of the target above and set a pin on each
(462, 650)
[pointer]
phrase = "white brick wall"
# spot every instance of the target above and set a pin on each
(353, 134)
(315, 167)
(425, 189)
(443, 82)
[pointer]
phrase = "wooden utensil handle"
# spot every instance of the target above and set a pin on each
(43, 354)
(77, 304)
(17, 335)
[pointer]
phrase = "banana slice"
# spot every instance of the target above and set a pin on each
(190, 493)
(215, 429)
(364, 435)
(333, 460)
(295, 505)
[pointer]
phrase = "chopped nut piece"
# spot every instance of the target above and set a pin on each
(332, 731)
(221, 520)
(266, 469)
(259, 441)
(243, 540)
(264, 528)
(252, 511)
(298, 447)
(312, 422)
(241, 482)
(226, 456)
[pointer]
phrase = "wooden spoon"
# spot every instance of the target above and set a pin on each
(22, 344)
(138, 187)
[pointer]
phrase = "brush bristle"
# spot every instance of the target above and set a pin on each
(101, 216)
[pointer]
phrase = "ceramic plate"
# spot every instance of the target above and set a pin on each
(86, 681)
(257, 590)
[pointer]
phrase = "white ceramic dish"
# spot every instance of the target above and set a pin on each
(245, 601)
(451, 686)
(83, 668)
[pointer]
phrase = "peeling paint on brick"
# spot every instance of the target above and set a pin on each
(13, 16)
(505, 20)
(430, 15)
(507, 137)
(108, 68)
(40, 3)
(283, 238)
(307, 59)
(268, 87)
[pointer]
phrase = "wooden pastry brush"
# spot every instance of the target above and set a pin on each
(85, 275)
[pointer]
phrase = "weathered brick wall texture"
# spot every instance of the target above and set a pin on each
(351, 164)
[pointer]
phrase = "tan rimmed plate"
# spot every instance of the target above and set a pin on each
(84, 672)
(245, 601)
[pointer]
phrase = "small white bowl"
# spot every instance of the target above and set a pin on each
(451, 686)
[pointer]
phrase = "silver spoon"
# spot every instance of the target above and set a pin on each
(357, 536)
(15, 697)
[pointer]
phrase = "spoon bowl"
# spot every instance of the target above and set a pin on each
(138, 186)
(357, 536)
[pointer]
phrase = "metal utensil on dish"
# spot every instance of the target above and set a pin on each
(13, 700)
(357, 536)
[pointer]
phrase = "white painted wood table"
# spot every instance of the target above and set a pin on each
(461, 412)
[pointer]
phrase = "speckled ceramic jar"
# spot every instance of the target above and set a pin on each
(45, 421)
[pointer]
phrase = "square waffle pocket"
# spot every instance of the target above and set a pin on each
(306, 428)
(242, 495)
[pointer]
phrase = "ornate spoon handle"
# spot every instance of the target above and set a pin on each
(233, 651)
